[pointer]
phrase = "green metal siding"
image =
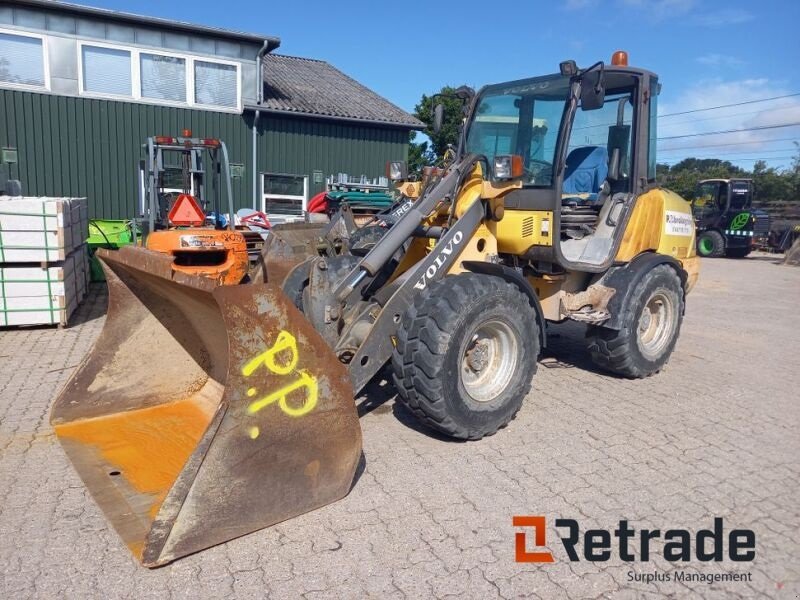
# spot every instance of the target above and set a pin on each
(72, 146)
(301, 146)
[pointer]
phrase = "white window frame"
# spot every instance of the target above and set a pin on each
(134, 71)
(45, 58)
(187, 61)
(265, 196)
(136, 81)
(238, 83)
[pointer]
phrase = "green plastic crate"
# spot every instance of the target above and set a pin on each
(106, 233)
(109, 234)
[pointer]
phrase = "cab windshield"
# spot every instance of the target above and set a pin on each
(524, 118)
(521, 117)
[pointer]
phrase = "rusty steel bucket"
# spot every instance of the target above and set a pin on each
(290, 244)
(204, 412)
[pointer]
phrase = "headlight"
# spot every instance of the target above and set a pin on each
(397, 170)
(507, 166)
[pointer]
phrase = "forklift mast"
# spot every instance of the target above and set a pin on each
(177, 165)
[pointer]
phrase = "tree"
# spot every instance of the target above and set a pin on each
(796, 159)
(682, 177)
(423, 153)
(770, 184)
(795, 173)
(419, 155)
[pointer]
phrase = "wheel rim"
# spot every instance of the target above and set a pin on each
(706, 246)
(489, 360)
(656, 324)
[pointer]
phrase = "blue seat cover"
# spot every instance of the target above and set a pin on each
(586, 169)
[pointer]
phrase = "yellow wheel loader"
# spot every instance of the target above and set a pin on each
(205, 412)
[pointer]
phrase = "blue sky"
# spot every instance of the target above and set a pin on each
(707, 52)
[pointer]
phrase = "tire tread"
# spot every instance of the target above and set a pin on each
(613, 350)
(422, 341)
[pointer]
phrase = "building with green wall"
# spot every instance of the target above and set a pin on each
(82, 88)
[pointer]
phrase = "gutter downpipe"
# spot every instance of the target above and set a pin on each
(267, 47)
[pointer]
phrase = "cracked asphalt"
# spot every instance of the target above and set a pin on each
(714, 435)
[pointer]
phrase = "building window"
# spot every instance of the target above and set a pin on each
(157, 77)
(22, 60)
(106, 71)
(163, 77)
(284, 195)
(216, 84)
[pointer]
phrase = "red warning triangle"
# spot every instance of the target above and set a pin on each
(186, 211)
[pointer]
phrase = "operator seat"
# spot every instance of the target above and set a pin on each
(586, 170)
(584, 190)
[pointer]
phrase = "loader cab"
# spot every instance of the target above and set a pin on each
(714, 198)
(586, 156)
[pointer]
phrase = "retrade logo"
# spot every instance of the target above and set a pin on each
(626, 543)
(540, 539)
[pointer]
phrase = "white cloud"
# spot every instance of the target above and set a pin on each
(719, 60)
(724, 17)
(662, 10)
(741, 144)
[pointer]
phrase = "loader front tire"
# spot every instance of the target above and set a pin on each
(650, 325)
(711, 244)
(466, 354)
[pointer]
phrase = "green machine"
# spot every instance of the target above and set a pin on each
(107, 234)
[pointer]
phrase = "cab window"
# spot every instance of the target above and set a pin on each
(597, 136)
(740, 195)
(521, 118)
(706, 199)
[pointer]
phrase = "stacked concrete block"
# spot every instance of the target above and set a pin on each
(44, 269)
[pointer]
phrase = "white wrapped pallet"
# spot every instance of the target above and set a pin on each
(41, 229)
(43, 295)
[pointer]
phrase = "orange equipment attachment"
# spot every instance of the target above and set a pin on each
(217, 254)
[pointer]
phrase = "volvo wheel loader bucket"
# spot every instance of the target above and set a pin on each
(204, 412)
(289, 244)
(286, 246)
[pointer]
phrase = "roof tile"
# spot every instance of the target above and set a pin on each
(304, 85)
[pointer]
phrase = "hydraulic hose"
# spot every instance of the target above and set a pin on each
(406, 226)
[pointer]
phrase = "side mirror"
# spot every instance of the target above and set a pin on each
(593, 92)
(438, 118)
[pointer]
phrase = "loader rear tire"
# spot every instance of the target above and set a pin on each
(650, 325)
(466, 354)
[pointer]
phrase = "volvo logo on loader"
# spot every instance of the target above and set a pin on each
(431, 271)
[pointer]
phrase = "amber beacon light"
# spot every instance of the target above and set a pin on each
(619, 58)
